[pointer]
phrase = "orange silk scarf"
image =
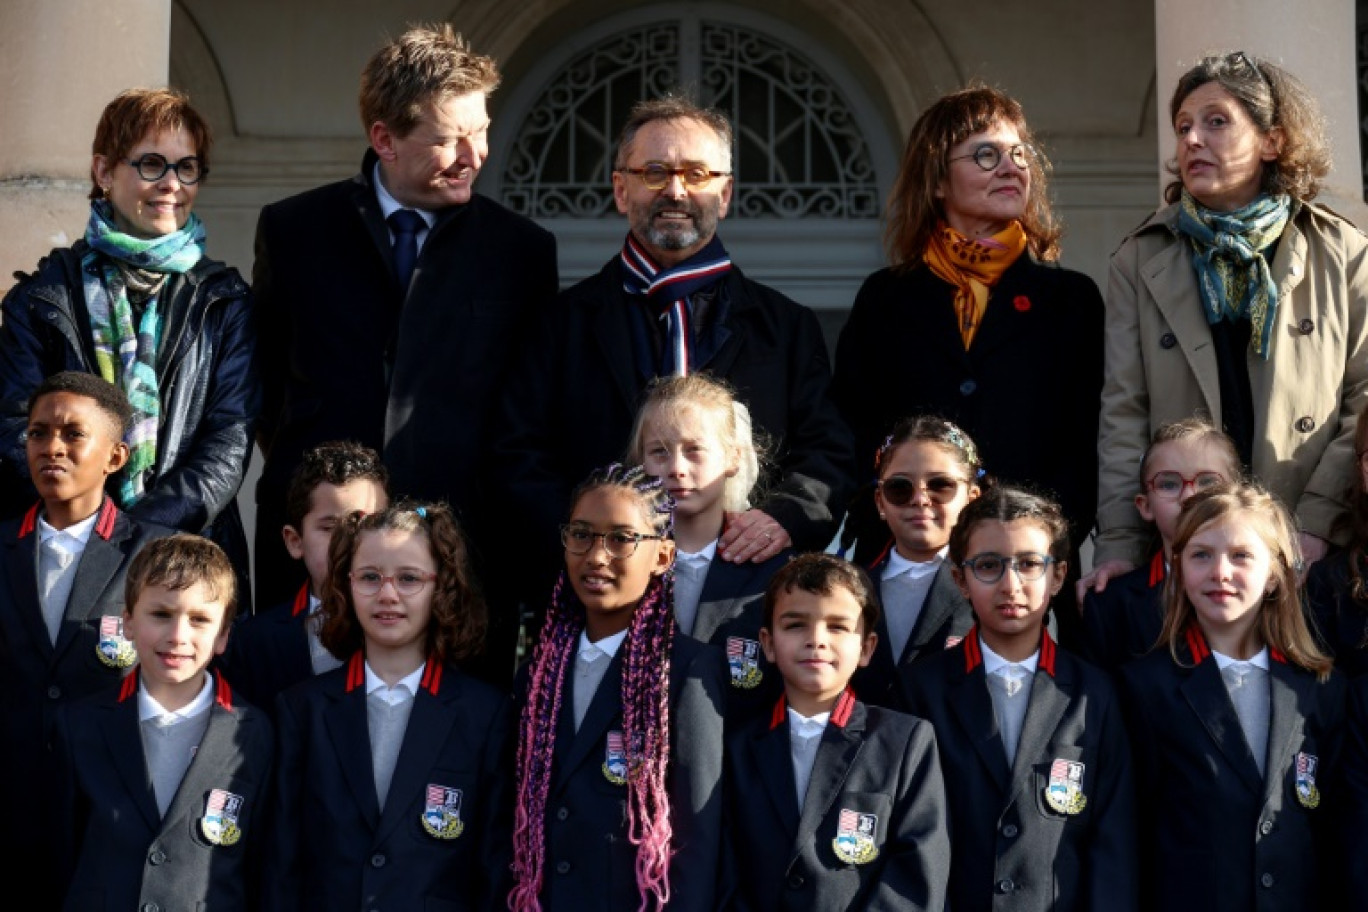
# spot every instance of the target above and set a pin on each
(973, 267)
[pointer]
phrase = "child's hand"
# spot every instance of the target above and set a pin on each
(1102, 574)
(1313, 548)
(752, 536)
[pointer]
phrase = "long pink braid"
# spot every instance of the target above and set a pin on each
(645, 711)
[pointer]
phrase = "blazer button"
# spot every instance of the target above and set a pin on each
(795, 882)
(157, 857)
(1266, 827)
(54, 692)
(1306, 424)
(378, 860)
(1267, 880)
(1168, 340)
(968, 387)
(563, 867)
(1010, 831)
(1005, 886)
(1306, 327)
(563, 814)
(149, 907)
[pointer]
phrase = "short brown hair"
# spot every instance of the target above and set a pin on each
(1200, 429)
(136, 113)
(1274, 99)
(456, 626)
(913, 207)
(427, 64)
(822, 574)
(672, 107)
(178, 562)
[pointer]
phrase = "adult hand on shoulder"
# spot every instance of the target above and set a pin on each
(1102, 574)
(1313, 548)
(752, 536)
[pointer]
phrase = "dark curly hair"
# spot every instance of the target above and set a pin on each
(456, 628)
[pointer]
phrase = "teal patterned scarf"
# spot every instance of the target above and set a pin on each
(1227, 252)
(121, 271)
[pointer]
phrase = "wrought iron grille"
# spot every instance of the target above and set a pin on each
(799, 152)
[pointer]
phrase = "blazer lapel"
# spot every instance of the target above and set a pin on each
(718, 602)
(973, 708)
(733, 302)
(1171, 281)
(347, 727)
(123, 738)
(368, 208)
(603, 711)
(614, 337)
(1048, 702)
(1206, 694)
(98, 564)
(1288, 691)
(21, 568)
(836, 753)
(940, 604)
(205, 772)
(773, 758)
(429, 724)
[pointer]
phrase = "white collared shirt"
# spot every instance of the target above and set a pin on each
(406, 689)
(320, 659)
(903, 601)
(389, 205)
(805, 736)
(1258, 660)
(688, 589)
(608, 646)
(992, 661)
(149, 708)
(72, 539)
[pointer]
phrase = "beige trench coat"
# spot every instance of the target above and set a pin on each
(1161, 366)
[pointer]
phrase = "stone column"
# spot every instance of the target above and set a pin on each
(60, 64)
(1313, 41)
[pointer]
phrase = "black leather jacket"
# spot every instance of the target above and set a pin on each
(210, 393)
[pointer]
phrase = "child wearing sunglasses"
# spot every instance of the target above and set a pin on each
(393, 783)
(928, 472)
(1032, 743)
(1122, 617)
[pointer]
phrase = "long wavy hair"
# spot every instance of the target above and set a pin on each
(645, 711)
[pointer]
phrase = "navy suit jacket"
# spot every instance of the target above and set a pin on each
(333, 848)
(1123, 621)
(870, 761)
(1341, 621)
(268, 653)
(730, 608)
(590, 863)
(125, 855)
(945, 618)
(1214, 835)
(1011, 849)
(37, 677)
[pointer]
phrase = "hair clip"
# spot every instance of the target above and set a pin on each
(421, 511)
(979, 474)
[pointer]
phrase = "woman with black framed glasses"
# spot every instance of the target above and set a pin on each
(1241, 300)
(973, 321)
(137, 302)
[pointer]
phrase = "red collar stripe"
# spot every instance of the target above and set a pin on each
(301, 602)
(356, 671)
(973, 655)
(104, 526)
(1197, 644)
(883, 556)
(223, 694)
(1277, 655)
(432, 675)
(845, 705)
(129, 686)
(780, 713)
(1047, 653)
(1157, 570)
(30, 521)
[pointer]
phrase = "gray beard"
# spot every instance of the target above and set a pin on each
(672, 240)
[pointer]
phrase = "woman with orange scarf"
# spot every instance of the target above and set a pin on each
(973, 321)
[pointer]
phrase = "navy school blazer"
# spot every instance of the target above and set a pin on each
(731, 610)
(121, 853)
(268, 653)
(946, 616)
(590, 864)
(1011, 848)
(1354, 826)
(872, 832)
(36, 676)
(1214, 835)
(333, 848)
(1123, 621)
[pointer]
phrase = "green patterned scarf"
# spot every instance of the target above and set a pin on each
(123, 275)
(1227, 252)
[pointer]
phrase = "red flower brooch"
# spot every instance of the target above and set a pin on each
(1021, 303)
